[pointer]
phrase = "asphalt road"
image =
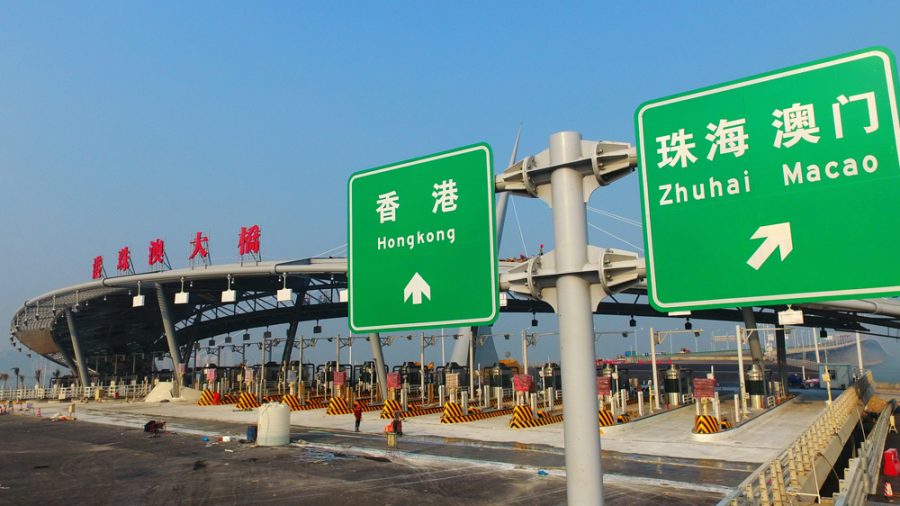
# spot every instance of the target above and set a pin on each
(44, 462)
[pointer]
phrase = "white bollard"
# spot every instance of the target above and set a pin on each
(465, 403)
(640, 396)
(441, 390)
(498, 391)
(552, 397)
(737, 409)
(404, 399)
(487, 396)
(533, 398)
(716, 407)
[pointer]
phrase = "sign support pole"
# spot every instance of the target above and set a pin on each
(584, 476)
(378, 356)
(655, 372)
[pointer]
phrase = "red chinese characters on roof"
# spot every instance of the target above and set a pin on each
(97, 271)
(157, 252)
(124, 263)
(248, 241)
(199, 246)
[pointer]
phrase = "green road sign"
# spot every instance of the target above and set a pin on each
(778, 188)
(422, 246)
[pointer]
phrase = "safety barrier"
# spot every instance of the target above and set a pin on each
(207, 398)
(861, 477)
(294, 403)
(273, 398)
(790, 475)
(606, 418)
(523, 418)
(453, 414)
(706, 424)
(74, 392)
(247, 401)
(391, 406)
(338, 406)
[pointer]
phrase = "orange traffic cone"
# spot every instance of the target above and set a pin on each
(888, 490)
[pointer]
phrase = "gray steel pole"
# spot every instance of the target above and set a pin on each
(859, 355)
(655, 372)
(165, 312)
(781, 352)
(378, 355)
(76, 348)
(584, 476)
(739, 336)
(422, 366)
(753, 338)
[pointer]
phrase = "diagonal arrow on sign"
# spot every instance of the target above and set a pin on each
(777, 236)
(416, 288)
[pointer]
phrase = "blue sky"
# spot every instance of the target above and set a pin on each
(124, 122)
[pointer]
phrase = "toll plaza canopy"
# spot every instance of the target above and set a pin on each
(110, 317)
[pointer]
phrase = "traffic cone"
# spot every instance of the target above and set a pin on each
(888, 490)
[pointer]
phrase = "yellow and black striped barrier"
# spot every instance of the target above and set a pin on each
(453, 414)
(207, 398)
(247, 401)
(292, 402)
(390, 407)
(230, 399)
(623, 418)
(339, 406)
(606, 419)
(523, 418)
(273, 398)
(724, 424)
(706, 424)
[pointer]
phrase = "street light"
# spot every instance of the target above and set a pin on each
(658, 338)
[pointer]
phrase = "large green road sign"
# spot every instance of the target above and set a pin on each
(779, 188)
(422, 246)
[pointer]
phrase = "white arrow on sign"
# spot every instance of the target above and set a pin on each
(416, 288)
(777, 236)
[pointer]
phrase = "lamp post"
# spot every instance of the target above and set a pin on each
(623, 333)
(658, 338)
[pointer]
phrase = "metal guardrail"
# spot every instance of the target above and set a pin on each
(779, 481)
(74, 392)
(861, 475)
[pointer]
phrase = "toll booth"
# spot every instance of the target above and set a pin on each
(840, 375)
(452, 368)
(501, 375)
(618, 377)
(551, 376)
(410, 372)
(677, 383)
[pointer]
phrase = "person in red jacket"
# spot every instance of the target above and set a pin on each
(357, 413)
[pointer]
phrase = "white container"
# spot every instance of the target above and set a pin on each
(274, 425)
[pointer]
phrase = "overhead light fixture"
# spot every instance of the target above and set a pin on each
(534, 322)
(246, 336)
(506, 336)
(823, 333)
(212, 342)
(267, 334)
(228, 339)
(687, 324)
(317, 329)
(343, 295)
(182, 296)
(632, 322)
(285, 294)
(624, 334)
(138, 300)
(229, 294)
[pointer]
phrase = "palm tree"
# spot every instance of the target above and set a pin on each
(4, 377)
(37, 377)
(15, 371)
